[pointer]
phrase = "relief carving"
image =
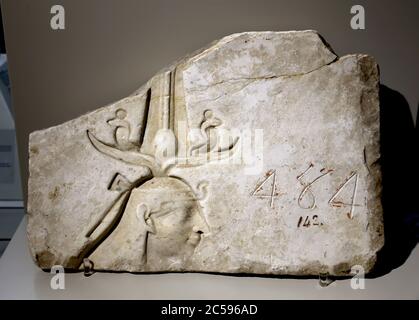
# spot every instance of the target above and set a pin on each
(158, 216)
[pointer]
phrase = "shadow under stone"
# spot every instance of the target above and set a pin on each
(399, 165)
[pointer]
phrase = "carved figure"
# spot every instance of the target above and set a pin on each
(158, 217)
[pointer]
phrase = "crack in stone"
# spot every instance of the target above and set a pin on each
(252, 79)
(225, 93)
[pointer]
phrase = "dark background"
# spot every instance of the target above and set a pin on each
(111, 47)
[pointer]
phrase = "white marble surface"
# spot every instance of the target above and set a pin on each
(21, 279)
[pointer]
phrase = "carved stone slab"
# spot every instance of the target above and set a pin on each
(258, 154)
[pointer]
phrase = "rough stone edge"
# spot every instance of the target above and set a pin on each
(370, 75)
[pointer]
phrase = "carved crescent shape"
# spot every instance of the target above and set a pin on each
(130, 157)
(208, 157)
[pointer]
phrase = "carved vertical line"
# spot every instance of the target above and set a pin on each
(180, 114)
(145, 117)
(273, 189)
(165, 100)
(172, 100)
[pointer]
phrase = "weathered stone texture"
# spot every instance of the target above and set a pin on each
(292, 184)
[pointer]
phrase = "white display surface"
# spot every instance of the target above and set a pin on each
(20, 278)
